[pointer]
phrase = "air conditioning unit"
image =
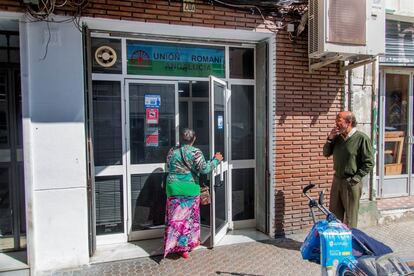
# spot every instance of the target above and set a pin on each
(346, 28)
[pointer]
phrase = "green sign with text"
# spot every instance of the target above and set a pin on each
(158, 59)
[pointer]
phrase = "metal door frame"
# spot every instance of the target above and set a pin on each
(122, 77)
(409, 138)
(143, 168)
(223, 166)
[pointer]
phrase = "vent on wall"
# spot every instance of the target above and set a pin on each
(346, 22)
(313, 26)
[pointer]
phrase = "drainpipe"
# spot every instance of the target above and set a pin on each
(374, 126)
(350, 91)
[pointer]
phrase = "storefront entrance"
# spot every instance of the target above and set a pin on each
(12, 200)
(152, 123)
(396, 163)
(142, 95)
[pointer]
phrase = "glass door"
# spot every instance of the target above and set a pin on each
(396, 103)
(411, 138)
(152, 122)
(219, 137)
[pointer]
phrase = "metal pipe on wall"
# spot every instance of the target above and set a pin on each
(350, 90)
(374, 127)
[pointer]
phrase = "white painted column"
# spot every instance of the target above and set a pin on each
(54, 145)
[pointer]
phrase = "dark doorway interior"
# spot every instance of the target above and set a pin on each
(12, 199)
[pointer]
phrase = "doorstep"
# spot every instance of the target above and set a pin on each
(155, 247)
(14, 264)
(395, 209)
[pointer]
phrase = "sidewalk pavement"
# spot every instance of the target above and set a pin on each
(270, 257)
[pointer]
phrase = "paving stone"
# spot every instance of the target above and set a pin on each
(265, 258)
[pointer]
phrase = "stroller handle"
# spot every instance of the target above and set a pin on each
(307, 188)
(318, 204)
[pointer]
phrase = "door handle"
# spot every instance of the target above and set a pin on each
(216, 185)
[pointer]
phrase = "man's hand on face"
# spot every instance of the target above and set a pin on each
(334, 132)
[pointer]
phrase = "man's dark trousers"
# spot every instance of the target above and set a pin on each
(344, 200)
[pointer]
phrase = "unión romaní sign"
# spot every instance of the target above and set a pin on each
(160, 59)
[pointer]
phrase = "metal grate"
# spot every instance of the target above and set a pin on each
(346, 22)
(109, 205)
(313, 26)
(399, 43)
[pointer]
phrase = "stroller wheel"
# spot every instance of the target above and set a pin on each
(348, 272)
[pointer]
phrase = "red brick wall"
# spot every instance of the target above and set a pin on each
(159, 12)
(306, 104)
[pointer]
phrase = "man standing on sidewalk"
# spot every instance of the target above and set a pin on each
(353, 159)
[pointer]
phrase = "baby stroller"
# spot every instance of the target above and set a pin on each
(347, 252)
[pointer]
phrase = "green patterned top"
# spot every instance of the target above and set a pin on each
(182, 181)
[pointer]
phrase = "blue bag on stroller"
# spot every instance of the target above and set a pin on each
(377, 248)
(328, 243)
(310, 248)
(336, 247)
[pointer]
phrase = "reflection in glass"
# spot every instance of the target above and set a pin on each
(18, 105)
(148, 199)
(184, 89)
(14, 56)
(9, 48)
(243, 194)
(205, 209)
(6, 219)
(195, 100)
(20, 166)
(183, 107)
(151, 142)
(242, 122)
(14, 41)
(3, 40)
(220, 201)
(219, 118)
(199, 89)
(4, 55)
(241, 63)
(109, 205)
(22, 204)
(201, 127)
(107, 124)
(4, 125)
(396, 108)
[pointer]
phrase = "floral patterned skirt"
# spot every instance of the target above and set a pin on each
(182, 224)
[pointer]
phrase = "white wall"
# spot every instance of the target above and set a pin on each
(54, 145)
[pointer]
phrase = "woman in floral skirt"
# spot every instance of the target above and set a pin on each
(185, 164)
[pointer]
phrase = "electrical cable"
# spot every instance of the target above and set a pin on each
(44, 10)
(47, 43)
